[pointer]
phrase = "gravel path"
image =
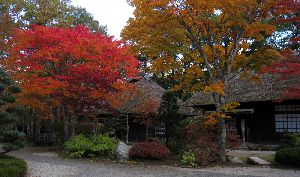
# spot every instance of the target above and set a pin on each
(48, 164)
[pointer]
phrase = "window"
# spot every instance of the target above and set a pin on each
(231, 123)
(287, 108)
(160, 129)
(287, 118)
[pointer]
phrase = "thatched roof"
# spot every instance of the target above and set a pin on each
(151, 88)
(269, 87)
(187, 110)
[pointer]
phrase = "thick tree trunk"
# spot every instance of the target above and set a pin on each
(220, 102)
(222, 139)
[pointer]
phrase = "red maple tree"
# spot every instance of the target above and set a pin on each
(74, 66)
(288, 12)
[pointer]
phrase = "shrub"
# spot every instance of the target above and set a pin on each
(289, 140)
(149, 150)
(77, 146)
(188, 158)
(13, 140)
(206, 149)
(103, 145)
(233, 139)
(12, 167)
(99, 145)
(288, 156)
(202, 140)
(10, 147)
(14, 137)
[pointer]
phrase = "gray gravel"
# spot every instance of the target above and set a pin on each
(48, 164)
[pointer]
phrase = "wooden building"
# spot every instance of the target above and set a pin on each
(264, 114)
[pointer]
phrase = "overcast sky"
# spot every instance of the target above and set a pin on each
(113, 13)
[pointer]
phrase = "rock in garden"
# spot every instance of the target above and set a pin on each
(258, 161)
(122, 151)
(236, 160)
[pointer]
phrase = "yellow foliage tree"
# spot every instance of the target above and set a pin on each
(203, 43)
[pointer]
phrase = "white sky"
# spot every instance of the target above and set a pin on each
(113, 13)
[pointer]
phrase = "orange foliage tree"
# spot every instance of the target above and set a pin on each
(202, 43)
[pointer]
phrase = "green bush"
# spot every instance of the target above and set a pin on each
(13, 140)
(103, 145)
(288, 156)
(14, 137)
(289, 140)
(77, 146)
(10, 147)
(188, 158)
(99, 145)
(12, 167)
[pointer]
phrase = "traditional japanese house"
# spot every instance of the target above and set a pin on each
(264, 114)
(140, 128)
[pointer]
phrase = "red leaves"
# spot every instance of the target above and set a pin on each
(79, 66)
(290, 65)
(150, 150)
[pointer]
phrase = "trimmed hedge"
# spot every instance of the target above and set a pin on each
(12, 167)
(288, 156)
(149, 150)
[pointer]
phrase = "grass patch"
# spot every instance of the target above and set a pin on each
(243, 157)
(12, 167)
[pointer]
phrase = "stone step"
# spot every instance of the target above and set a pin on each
(257, 161)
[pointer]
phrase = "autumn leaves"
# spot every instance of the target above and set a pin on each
(72, 67)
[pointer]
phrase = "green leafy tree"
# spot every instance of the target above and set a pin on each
(80, 16)
(10, 11)
(47, 13)
(169, 112)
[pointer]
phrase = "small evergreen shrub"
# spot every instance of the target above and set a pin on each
(13, 140)
(10, 147)
(149, 150)
(188, 158)
(288, 156)
(289, 140)
(12, 167)
(98, 145)
(14, 137)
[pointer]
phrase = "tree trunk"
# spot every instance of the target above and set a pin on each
(147, 132)
(66, 124)
(37, 130)
(31, 123)
(222, 139)
(220, 102)
(127, 128)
